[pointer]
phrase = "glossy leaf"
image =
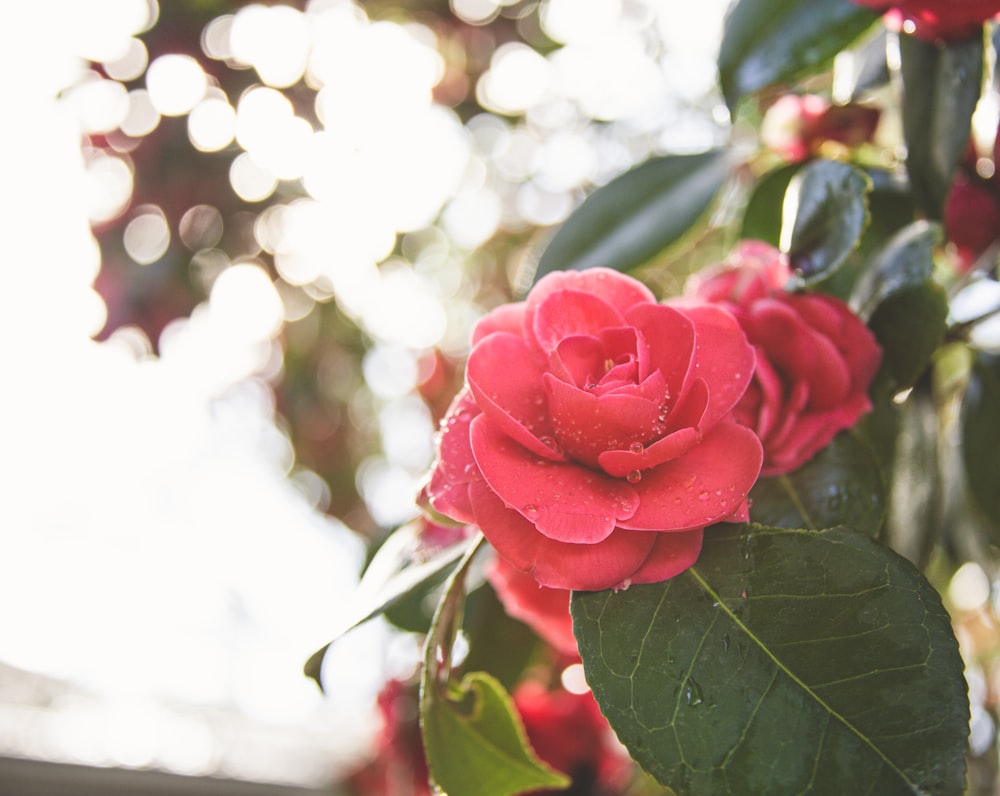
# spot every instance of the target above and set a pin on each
(981, 435)
(783, 662)
(905, 261)
(864, 69)
(941, 86)
(637, 215)
(840, 485)
(765, 42)
(404, 564)
(472, 735)
(916, 499)
(762, 215)
(910, 325)
(825, 211)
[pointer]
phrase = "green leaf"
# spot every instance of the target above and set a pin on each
(765, 42)
(762, 215)
(916, 500)
(905, 261)
(476, 744)
(783, 662)
(910, 325)
(403, 565)
(472, 735)
(637, 215)
(864, 70)
(825, 211)
(840, 485)
(980, 423)
(941, 86)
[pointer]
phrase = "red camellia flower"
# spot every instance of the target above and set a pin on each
(592, 442)
(938, 20)
(544, 610)
(815, 358)
(569, 733)
(797, 126)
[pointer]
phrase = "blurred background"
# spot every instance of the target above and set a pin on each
(244, 245)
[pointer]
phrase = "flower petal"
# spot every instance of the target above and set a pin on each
(619, 463)
(617, 289)
(670, 337)
(672, 554)
(505, 318)
(701, 487)
(722, 358)
(584, 567)
(455, 468)
(565, 502)
(569, 313)
(505, 376)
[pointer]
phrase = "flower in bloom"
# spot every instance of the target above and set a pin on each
(972, 208)
(797, 126)
(815, 358)
(592, 443)
(569, 733)
(544, 610)
(938, 20)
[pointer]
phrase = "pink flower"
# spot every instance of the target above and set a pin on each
(815, 358)
(938, 20)
(544, 610)
(796, 126)
(591, 444)
(569, 733)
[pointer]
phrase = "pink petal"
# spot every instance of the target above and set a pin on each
(505, 318)
(586, 425)
(455, 468)
(701, 487)
(585, 567)
(544, 610)
(569, 313)
(505, 376)
(565, 502)
(672, 554)
(670, 338)
(722, 358)
(620, 463)
(615, 288)
(771, 409)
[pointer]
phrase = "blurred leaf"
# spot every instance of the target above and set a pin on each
(473, 738)
(762, 215)
(941, 86)
(783, 662)
(825, 210)
(637, 215)
(980, 422)
(910, 325)
(498, 644)
(905, 261)
(476, 745)
(864, 68)
(840, 485)
(765, 42)
(403, 565)
(916, 501)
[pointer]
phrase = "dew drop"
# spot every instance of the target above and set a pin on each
(693, 694)
(530, 510)
(634, 476)
(703, 495)
(725, 641)
(636, 447)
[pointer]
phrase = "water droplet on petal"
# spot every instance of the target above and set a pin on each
(703, 495)
(636, 447)
(530, 510)
(634, 476)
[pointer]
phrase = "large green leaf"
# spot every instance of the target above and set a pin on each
(783, 662)
(637, 215)
(473, 738)
(905, 261)
(824, 213)
(941, 86)
(910, 325)
(981, 435)
(765, 42)
(840, 485)
(762, 215)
